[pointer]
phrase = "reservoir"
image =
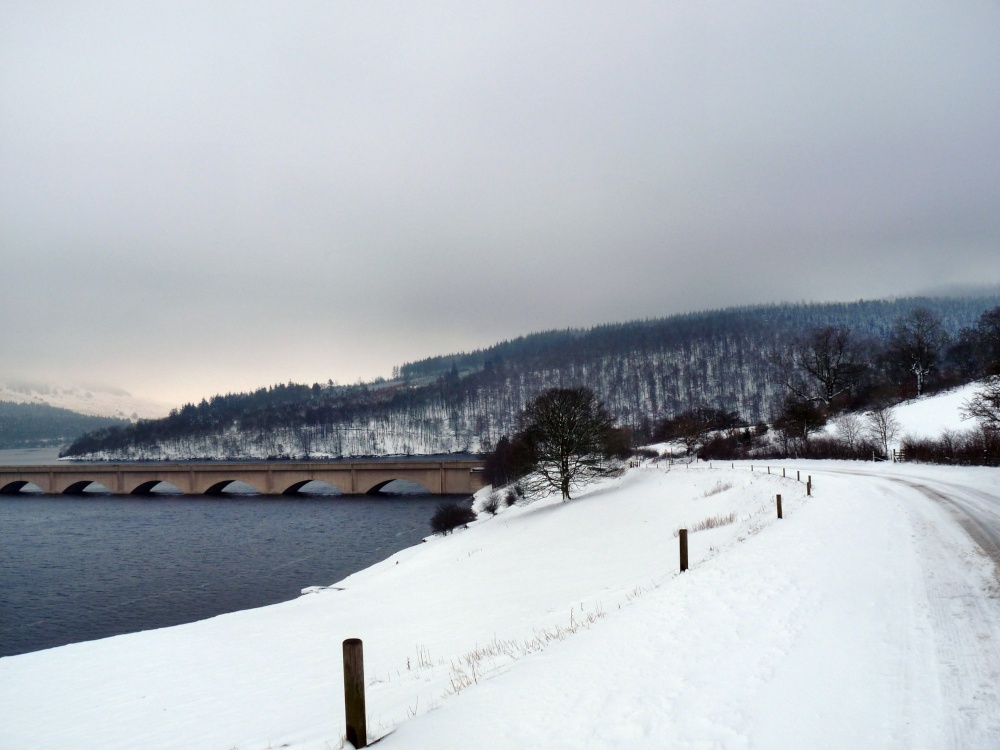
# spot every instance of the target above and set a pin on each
(76, 568)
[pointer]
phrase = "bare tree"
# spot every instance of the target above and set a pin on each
(984, 407)
(305, 437)
(798, 420)
(850, 429)
(883, 426)
(567, 430)
(916, 343)
(822, 365)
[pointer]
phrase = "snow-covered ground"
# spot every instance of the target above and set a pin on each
(867, 617)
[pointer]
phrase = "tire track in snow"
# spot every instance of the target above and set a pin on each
(976, 511)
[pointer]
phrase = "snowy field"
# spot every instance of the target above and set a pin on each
(866, 618)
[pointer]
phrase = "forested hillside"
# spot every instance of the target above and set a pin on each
(644, 371)
(37, 425)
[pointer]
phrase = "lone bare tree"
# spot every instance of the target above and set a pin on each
(567, 431)
(849, 427)
(883, 426)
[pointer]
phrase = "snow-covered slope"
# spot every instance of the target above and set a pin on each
(96, 401)
(865, 618)
(930, 416)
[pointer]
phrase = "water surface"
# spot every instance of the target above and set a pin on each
(75, 568)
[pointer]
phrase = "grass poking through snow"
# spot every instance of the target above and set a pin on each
(712, 522)
(719, 487)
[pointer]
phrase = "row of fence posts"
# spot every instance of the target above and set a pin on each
(682, 534)
(354, 660)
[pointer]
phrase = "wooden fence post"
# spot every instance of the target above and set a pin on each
(809, 485)
(683, 536)
(779, 506)
(769, 470)
(354, 693)
(782, 472)
(798, 476)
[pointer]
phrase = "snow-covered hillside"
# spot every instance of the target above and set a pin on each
(96, 401)
(865, 618)
(929, 416)
(932, 415)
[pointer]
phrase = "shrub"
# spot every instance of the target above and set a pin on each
(449, 516)
(492, 503)
(510, 497)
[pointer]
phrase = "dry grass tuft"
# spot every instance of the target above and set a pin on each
(713, 522)
(719, 487)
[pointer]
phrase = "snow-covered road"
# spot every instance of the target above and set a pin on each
(975, 507)
(978, 512)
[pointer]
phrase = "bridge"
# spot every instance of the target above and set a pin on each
(445, 477)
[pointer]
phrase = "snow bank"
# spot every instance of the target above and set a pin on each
(567, 625)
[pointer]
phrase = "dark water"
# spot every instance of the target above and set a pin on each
(78, 568)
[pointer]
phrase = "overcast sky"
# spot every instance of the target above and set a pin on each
(208, 197)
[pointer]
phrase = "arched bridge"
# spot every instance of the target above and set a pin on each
(454, 476)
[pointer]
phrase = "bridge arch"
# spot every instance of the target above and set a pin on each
(397, 486)
(312, 488)
(156, 487)
(226, 487)
(21, 487)
(85, 486)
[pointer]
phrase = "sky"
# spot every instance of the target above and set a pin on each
(200, 198)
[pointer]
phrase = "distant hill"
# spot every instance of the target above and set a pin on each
(39, 425)
(98, 401)
(644, 371)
